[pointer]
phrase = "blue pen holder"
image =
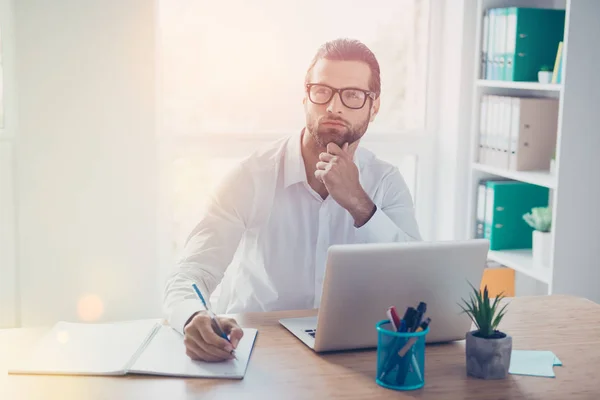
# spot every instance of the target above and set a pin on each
(400, 358)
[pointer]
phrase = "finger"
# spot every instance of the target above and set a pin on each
(214, 344)
(201, 328)
(195, 352)
(324, 165)
(216, 353)
(233, 330)
(319, 174)
(326, 157)
(352, 148)
(235, 336)
(211, 337)
(334, 149)
(345, 147)
(202, 336)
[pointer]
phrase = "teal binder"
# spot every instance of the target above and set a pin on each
(506, 203)
(534, 34)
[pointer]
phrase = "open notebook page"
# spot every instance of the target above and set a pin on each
(87, 349)
(165, 355)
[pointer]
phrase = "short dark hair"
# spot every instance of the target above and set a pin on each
(349, 50)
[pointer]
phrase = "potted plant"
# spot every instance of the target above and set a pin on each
(488, 350)
(545, 74)
(540, 219)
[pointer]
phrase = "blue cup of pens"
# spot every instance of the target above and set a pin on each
(401, 349)
(400, 357)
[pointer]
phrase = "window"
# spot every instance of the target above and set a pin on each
(232, 77)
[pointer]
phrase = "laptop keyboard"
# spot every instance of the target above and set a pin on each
(311, 332)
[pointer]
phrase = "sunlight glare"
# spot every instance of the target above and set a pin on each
(90, 308)
(62, 337)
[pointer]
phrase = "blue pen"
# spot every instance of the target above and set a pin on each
(213, 317)
(402, 326)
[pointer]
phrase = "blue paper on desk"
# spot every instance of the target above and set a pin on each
(533, 363)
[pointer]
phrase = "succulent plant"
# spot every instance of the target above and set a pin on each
(485, 314)
(540, 218)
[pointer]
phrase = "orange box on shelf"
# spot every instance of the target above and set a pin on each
(499, 280)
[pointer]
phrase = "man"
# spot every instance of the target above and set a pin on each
(266, 232)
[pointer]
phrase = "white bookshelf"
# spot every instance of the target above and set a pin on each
(540, 178)
(575, 184)
(522, 262)
(536, 86)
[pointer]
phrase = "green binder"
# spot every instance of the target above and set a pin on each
(506, 202)
(532, 36)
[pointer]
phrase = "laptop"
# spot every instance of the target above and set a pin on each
(363, 280)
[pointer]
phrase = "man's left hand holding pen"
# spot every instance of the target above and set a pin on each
(202, 338)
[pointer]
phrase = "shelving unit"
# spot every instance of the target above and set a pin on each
(574, 185)
(545, 87)
(522, 262)
(540, 178)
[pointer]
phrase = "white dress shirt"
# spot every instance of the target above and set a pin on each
(265, 234)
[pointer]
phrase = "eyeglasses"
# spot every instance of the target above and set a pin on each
(351, 97)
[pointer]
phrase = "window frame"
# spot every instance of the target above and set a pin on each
(419, 142)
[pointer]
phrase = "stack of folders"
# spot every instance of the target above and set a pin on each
(500, 208)
(517, 42)
(517, 133)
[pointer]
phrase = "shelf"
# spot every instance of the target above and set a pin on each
(522, 261)
(540, 178)
(546, 87)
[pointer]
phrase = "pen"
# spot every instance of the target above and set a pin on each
(409, 316)
(421, 309)
(393, 317)
(401, 376)
(413, 340)
(405, 325)
(216, 326)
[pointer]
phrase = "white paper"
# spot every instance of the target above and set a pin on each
(165, 355)
(87, 349)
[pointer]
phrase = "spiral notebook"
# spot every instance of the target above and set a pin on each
(134, 347)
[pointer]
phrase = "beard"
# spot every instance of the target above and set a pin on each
(324, 134)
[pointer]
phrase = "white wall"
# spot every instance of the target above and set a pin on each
(86, 158)
(8, 267)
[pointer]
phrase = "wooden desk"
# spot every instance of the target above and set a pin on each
(282, 367)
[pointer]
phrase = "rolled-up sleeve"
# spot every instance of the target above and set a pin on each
(208, 251)
(394, 220)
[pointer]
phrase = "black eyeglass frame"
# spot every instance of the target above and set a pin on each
(368, 94)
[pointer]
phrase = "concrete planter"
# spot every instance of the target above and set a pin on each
(488, 358)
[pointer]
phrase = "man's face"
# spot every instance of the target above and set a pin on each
(334, 121)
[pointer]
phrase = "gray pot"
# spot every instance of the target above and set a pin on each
(488, 358)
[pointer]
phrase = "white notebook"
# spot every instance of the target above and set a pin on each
(133, 347)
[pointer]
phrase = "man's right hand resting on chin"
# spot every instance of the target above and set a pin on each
(204, 344)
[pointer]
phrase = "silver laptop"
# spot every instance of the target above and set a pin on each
(363, 280)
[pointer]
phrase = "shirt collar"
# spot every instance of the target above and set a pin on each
(293, 163)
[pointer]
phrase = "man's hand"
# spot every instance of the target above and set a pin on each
(202, 343)
(337, 171)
